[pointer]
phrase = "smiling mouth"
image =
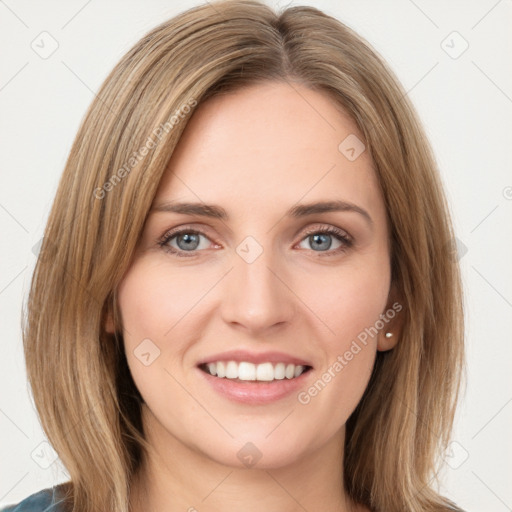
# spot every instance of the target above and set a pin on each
(250, 372)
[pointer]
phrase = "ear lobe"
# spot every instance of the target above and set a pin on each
(387, 340)
(393, 316)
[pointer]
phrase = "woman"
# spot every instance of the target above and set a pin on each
(246, 295)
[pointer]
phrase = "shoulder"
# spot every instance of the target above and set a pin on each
(45, 500)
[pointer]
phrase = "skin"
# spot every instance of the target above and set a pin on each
(256, 153)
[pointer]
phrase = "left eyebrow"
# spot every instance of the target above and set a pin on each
(302, 210)
(298, 211)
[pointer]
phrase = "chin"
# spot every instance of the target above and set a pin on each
(259, 449)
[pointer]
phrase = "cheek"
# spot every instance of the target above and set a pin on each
(153, 300)
(154, 304)
(350, 304)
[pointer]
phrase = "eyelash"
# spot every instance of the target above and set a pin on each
(337, 233)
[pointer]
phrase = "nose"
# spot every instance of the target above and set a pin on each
(257, 296)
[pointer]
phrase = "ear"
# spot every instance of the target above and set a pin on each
(109, 323)
(108, 319)
(393, 317)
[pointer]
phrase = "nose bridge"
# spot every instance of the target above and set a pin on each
(257, 297)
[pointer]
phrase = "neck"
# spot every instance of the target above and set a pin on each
(176, 477)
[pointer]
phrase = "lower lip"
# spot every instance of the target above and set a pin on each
(255, 393)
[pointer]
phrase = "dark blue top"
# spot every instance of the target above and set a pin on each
(42, 501)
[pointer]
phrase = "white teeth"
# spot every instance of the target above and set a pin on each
(246, 371)
(265, 371)
(231, 370)
(221, 369)
(250, 371)
(279, 370)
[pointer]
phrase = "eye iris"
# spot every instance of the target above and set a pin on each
(190, 239)
(321, 237)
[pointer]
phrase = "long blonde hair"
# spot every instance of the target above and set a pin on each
(87, 402)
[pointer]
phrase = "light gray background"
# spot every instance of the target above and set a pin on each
(464, 102)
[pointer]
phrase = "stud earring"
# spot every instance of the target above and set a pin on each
(389, 335)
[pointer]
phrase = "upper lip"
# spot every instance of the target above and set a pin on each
(255, 358)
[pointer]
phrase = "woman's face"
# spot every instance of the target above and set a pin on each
(263, 284)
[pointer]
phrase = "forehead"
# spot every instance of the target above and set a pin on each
(268, 145)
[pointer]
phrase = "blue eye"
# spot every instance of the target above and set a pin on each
(189, 241)
(321, 238)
